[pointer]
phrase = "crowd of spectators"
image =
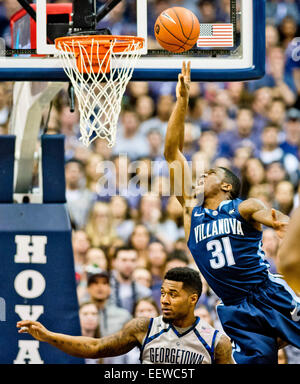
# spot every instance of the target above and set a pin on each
(127, 230)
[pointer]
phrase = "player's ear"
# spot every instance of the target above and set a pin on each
(194, 298)
(226, 187)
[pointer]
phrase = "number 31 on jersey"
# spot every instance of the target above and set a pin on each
(221, 253)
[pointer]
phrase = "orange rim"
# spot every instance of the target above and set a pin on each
(121, 44)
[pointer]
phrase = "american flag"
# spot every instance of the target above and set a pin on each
(215, 35)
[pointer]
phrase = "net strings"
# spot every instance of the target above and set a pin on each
(99, 94)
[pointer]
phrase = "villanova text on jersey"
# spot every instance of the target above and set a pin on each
(227, 250)
(218, 227)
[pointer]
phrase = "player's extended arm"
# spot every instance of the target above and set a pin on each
(289, 253)
(255, 211)
(223, 351)
(180, 174)
(175, 131)
(116, 344)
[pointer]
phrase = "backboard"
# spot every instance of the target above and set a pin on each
(243, 59)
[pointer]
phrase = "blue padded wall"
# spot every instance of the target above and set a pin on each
(53, 168)
(36, 274)
(7, 157)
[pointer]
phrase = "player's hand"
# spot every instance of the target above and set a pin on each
(34, 328)
(280, 227)
(184, 80)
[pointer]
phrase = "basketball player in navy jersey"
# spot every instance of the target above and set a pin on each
(176, 337)
(224, 234)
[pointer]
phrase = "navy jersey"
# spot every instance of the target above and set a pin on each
(227, 250)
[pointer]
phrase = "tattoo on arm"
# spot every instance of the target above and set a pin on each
(223, 351)
(117, 344)
(123, 341)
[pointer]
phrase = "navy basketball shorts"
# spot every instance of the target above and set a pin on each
(254, 324)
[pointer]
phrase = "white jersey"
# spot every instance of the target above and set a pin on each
(165, 345)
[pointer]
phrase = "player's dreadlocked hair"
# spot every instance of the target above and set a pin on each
(232, 179)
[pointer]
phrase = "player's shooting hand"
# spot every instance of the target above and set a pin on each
(184, 80)
(280, 227)
(34, 328)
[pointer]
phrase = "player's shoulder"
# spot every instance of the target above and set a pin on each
(208, 332)
(251, 205)
(203, 327)
(230, 206)
(157, 322)
(138, 325)
(232, 209)
(136, 330)
(156, 326)
(223, 349)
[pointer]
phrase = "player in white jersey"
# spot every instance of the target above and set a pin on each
(168, 344)
(176, 337)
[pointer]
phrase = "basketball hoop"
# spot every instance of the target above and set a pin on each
(99, 68)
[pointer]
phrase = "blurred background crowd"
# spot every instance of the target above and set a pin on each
(124, 241)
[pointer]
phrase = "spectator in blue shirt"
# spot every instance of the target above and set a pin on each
(240, 137)
(292, 133)
(276, 77)
(271, 152)
(276, 11)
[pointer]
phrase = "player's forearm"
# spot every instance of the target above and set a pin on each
(288, 263)
(290, 270)
(289, 253)
(181, 130)
(175, 130)
(88, 347)
(78, 346)
(264, 217)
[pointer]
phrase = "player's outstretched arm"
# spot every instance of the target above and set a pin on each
(223, 351)
(255, 211)
(130, 336)
(175, 130)
(180, 174)
(289, 253)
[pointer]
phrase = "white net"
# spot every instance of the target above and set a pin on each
(98, 90)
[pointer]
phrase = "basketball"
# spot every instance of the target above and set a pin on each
(177, 29)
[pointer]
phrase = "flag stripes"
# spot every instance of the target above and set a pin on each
(215, 35)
